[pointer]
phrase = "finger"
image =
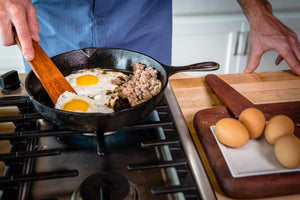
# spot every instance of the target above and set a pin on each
(296, 50)
(296, 69)
(291, 60)
(292, 54)
(33, 23)
(294, 44)
(24, 36)
(253, 62)
(278, 60)
(6, 34)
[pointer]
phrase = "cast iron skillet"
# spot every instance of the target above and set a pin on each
(105, 58)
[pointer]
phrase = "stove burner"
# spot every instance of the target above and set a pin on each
(107, 186)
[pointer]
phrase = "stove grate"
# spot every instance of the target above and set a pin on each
(24, 149)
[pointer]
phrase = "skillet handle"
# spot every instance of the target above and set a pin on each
(203, 66)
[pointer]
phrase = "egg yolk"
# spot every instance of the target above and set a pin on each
(76, 105)
(87, 80)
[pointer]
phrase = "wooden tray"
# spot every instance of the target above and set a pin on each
(251, 186)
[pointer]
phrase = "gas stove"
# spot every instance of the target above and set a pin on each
(153, 159)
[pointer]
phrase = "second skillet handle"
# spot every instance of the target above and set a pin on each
(203, 66)
(234, 101)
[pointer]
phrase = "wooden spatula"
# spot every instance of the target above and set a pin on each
(233, 100)
(49, 75)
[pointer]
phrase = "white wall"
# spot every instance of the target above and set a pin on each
(11, 59)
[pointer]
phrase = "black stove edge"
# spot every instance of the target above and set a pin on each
(202, 181)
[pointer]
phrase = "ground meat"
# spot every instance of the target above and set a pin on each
(120, 80)
(141, 86)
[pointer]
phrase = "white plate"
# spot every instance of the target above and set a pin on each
(257, 157)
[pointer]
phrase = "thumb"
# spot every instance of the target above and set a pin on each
(253, 62)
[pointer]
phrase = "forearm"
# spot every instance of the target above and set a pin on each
(255, 10)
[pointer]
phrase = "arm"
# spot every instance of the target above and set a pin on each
(267, 33)
(20, 14)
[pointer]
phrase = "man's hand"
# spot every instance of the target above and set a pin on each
(267, 33)
(20, 14)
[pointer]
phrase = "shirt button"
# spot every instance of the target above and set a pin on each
(99, 21)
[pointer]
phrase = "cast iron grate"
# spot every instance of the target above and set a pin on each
(24, 149)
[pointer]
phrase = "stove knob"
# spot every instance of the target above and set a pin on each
(10, 81)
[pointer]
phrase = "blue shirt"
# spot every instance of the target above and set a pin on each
(140, 25)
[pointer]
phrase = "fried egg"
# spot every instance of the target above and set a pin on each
(69, 101)
(92, 82)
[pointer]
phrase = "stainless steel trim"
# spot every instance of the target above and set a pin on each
(204, 186)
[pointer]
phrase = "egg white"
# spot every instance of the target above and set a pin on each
(100, 88)
(99, 96)
(94, 106)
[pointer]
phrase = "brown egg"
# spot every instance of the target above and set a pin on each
(254, 120)
(231, 132)
(277, 126)
(287, 151)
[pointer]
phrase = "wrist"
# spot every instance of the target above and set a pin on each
(255, 9)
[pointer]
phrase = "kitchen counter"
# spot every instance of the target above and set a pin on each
(193, 94)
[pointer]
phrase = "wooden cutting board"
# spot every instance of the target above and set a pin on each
(252, 186)
(193, 94)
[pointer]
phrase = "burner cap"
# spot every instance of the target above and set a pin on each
(104, 185)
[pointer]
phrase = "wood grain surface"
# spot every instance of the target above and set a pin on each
(193, 94)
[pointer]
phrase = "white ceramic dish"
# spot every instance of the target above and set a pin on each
(255, 158)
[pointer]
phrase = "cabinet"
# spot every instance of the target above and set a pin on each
(223, 38)
(208, 38)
